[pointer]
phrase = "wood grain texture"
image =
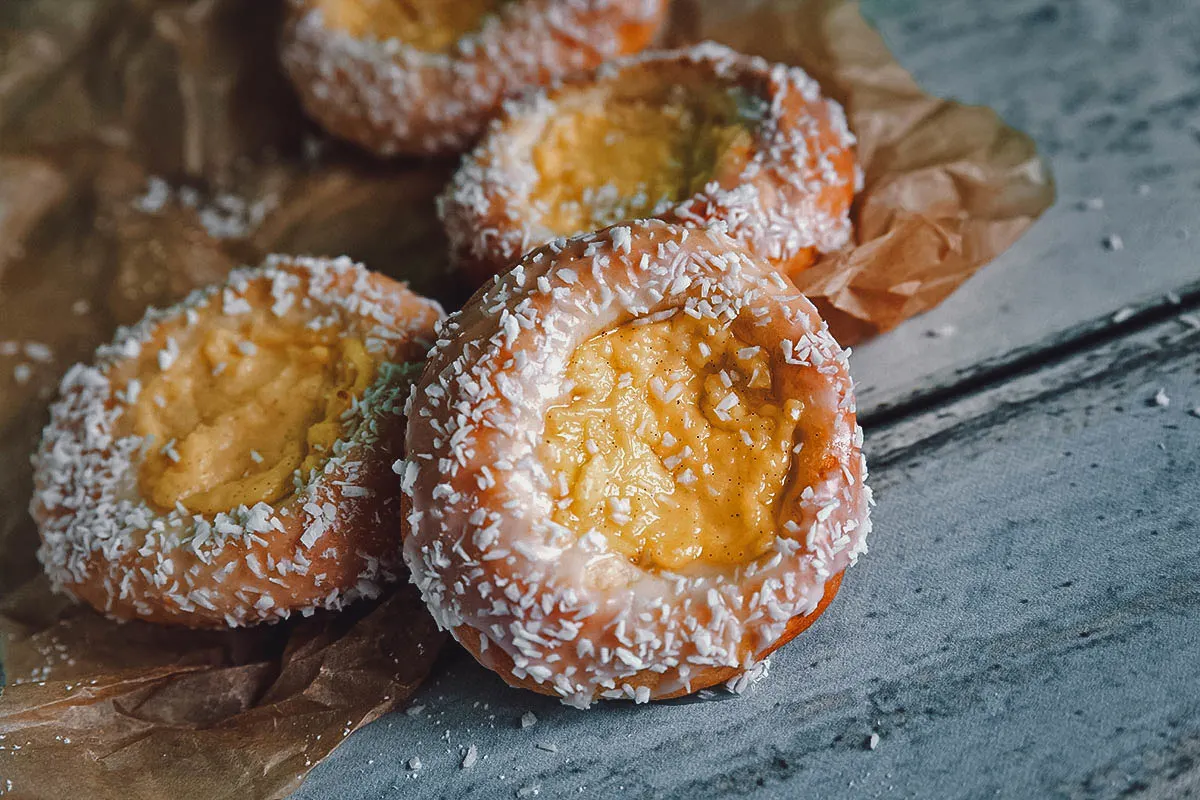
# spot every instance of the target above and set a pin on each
(1026, 625)
(1027, 622)
(1108, 89)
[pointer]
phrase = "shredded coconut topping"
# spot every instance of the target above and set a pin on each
(393, 98)
(558, 609)
(792, 195)
(224, 216)
(316, 548)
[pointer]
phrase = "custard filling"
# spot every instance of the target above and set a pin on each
(671, 444)
(604, 164)
(433, 26)
(233, 420)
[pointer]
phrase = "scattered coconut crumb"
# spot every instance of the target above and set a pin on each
(414, 763)
(528, 720)
(1113, 242)
(226, 216)
(873, 741)
(1091, 203)
(532, 790)
(36, 351)
(231, 217)
(941, 332)
(471, 757)
(1160, 398)
(1123, 314)
(547, 746)
(313, 148)
(158, 192)
(743, 681)
(80, 307)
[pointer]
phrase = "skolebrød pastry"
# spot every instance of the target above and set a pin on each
(229, 461)
(424, 76)
(694, 136)
(633, 465)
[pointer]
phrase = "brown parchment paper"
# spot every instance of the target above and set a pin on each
(947, 187)
(149, 146)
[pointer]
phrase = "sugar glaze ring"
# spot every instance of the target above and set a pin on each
(333, 539)
(393, 98)
(786, 199)
(520, 592)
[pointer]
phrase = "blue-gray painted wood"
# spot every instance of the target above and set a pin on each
(1110, 89)
(1028, 621)
(1026, 624)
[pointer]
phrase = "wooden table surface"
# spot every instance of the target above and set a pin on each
(1027, 623)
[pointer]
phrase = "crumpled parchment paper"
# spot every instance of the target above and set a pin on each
(149, 146)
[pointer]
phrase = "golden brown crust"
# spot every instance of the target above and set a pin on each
(785, 198)
(393, 99)
(334, 538)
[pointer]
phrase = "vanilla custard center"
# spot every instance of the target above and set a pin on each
(671, 444)
(433, 26)
(620, 160)
(234, 418)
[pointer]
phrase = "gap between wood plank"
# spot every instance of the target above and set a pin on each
(1087, 336)
(1152, 338)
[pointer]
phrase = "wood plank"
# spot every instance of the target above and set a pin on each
(1025, 625)
(1109, 91)
(1027, 621)
(1132, 323)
